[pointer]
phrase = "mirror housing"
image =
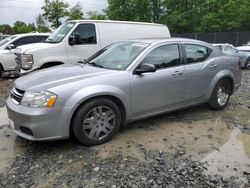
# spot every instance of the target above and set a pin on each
(10, 46)
(144, 68)
(74, 39)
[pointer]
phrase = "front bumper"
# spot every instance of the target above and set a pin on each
(41, 123)
(21, 71)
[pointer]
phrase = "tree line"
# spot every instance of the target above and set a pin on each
(181, 16)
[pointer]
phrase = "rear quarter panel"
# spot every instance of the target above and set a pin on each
(228, 67)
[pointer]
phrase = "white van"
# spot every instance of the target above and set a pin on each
(79, 39)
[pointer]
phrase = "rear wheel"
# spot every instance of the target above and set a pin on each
(96, 122)
(247, 65)
(220, 95)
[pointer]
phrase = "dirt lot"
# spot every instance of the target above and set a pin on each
(189, 148)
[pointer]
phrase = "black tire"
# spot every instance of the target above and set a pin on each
(214, 99)
(247, 64)
(1, 72)
(82, 134)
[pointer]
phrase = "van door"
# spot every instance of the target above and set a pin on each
(86, 46)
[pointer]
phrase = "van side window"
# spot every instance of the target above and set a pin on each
(164, 56)
(196, 53)
(87, 33)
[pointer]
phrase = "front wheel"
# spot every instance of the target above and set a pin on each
(220, 95)
(247, 65)
(96, 122)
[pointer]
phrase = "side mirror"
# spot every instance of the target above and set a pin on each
(145, 67)
(10, 46)
(74, 39)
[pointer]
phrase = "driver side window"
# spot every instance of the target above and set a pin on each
(164, 56)
(87, 33)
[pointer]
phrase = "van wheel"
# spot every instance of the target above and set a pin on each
(96, 122)
(247, 65)
(220, 95)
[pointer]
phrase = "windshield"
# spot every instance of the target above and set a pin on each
(4, 41)
(117, 56)
(59, 34)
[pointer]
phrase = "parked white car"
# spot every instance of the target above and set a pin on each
(8, 45)
(76, 40)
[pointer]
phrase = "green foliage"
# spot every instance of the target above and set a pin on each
(7, 29)
(185, 16)
(40, 23)
(94, 15)
(21, 27)
(54, 10)
(75, 12)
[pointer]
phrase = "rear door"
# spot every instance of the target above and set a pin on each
(89, 43)
(200, 69)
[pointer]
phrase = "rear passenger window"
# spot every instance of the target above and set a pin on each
(196, 53)
(87, 33)
(164, 56)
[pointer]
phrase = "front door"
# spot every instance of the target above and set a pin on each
(161, 89)
(88, 45)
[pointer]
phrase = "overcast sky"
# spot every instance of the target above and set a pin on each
(27, 10)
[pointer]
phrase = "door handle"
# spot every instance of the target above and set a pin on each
(177, 73)
(213, 66)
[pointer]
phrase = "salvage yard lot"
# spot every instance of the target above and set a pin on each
(189, 148)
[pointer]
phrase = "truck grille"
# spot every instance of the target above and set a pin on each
(16, 95)
(18, 59)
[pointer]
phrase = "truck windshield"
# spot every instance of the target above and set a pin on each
(59, 34)
(4, 41)
(117, 56)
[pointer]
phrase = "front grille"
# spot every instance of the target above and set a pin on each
(18, 59)
(16, 95)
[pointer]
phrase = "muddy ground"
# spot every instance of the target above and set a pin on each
(189, 148)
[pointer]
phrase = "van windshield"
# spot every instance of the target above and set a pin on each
(59, 34)
(4, 41)
(117, 56)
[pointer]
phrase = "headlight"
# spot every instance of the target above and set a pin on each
(40, 99)
(26, 61)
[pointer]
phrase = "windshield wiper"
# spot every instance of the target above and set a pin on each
(85, 61)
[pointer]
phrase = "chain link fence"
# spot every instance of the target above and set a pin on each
(235, 38)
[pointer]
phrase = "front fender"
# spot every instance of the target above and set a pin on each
(220, 75)
(94, 91)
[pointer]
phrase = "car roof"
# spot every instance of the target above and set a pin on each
(169, 39)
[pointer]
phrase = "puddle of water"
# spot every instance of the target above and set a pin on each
(198, 138)
(232, 158)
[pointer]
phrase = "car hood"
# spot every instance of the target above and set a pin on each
(60, 75)
(24, 48)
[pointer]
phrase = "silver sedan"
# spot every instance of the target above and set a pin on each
(123, 82)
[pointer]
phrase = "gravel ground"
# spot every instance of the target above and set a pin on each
(188, 148)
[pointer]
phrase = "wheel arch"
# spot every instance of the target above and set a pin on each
(217, 78)
(113, 98)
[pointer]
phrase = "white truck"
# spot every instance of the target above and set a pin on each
(8, 45)
(77, 40)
